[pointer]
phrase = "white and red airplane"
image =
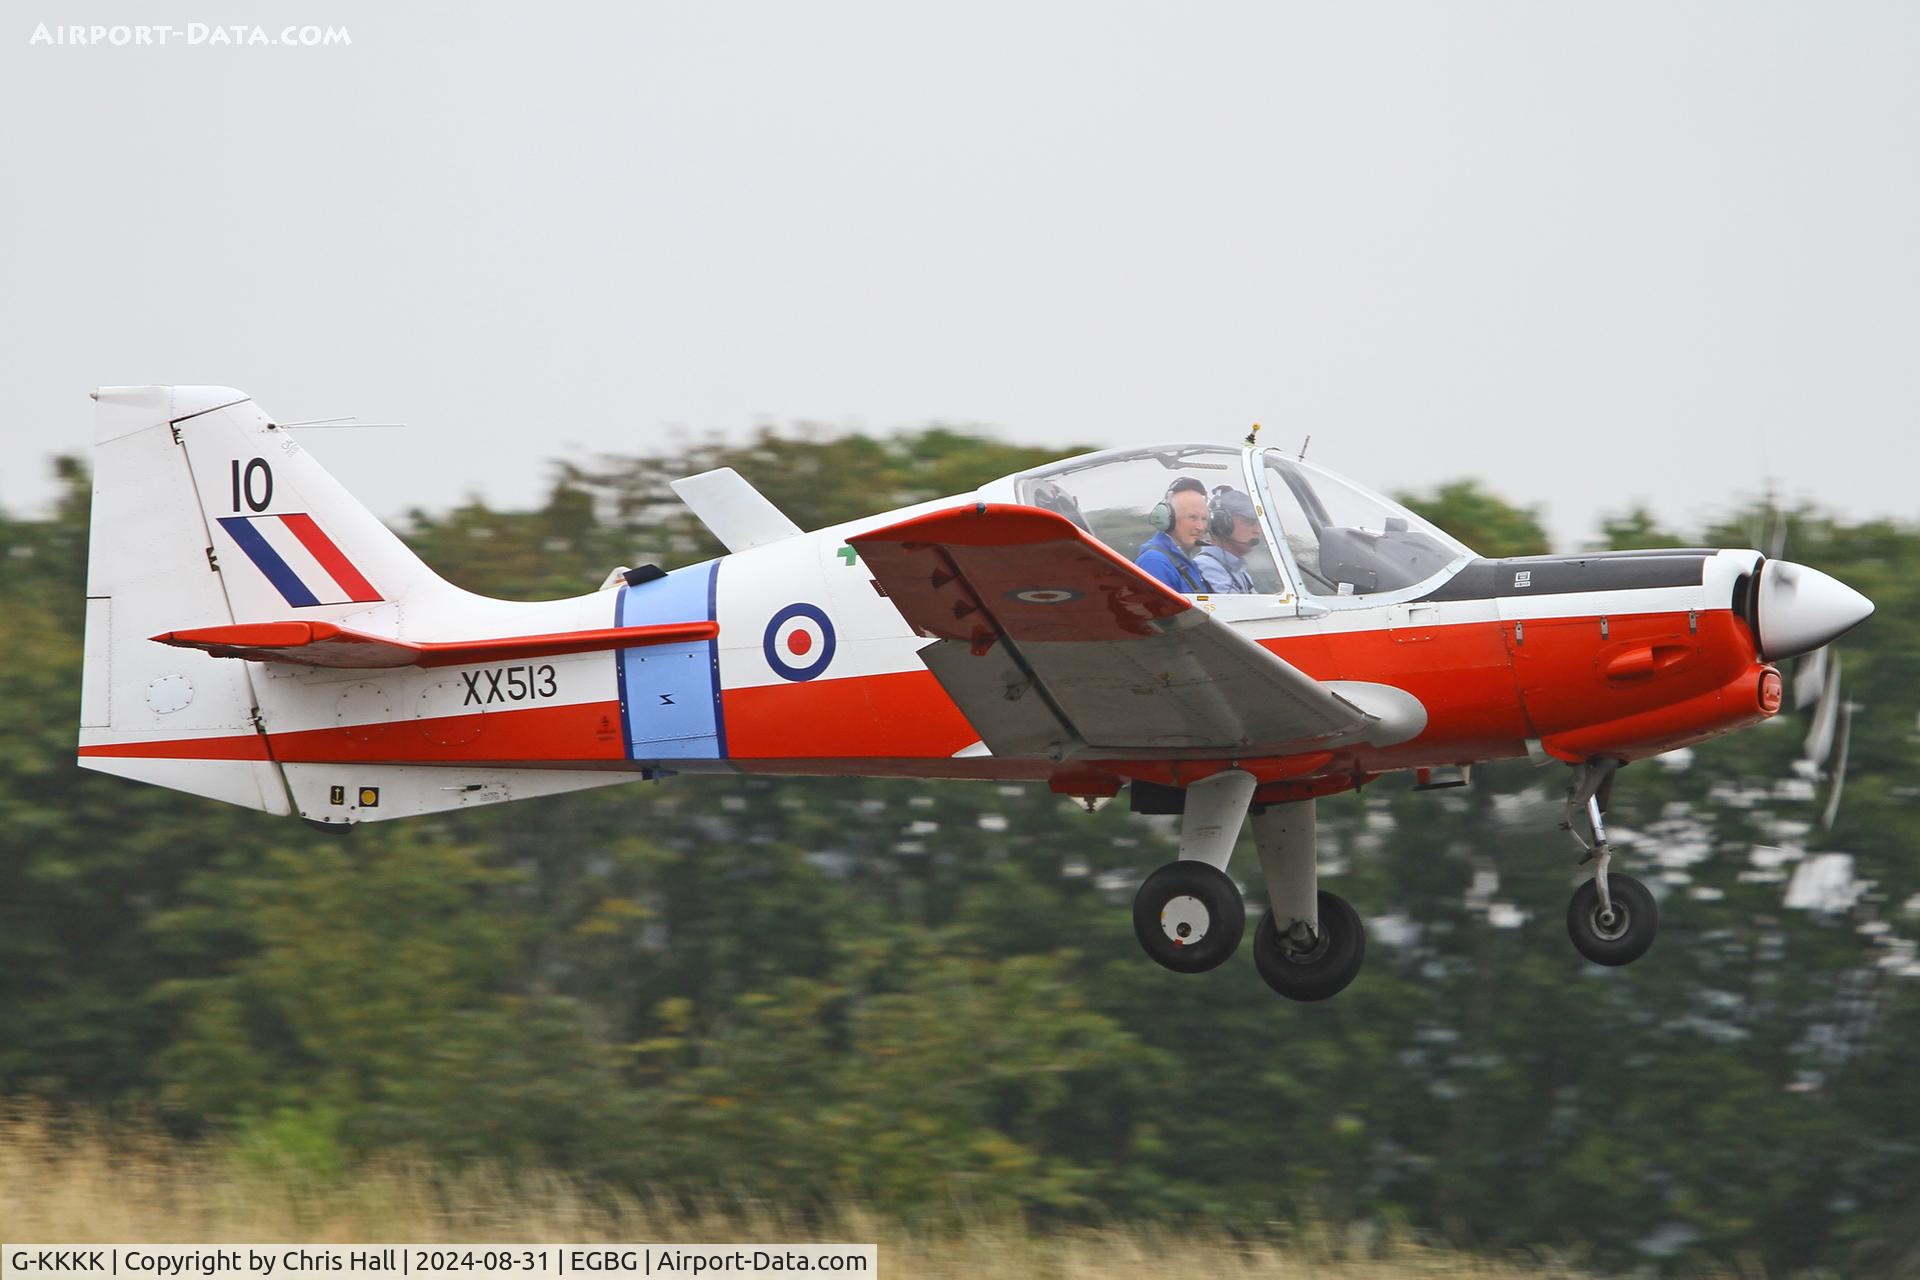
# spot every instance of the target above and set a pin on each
(256, 636)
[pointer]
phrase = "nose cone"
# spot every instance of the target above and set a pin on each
(1801, 609)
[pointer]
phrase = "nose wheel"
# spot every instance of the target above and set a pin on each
(1189, 917)
(1612, 918)
(1617, 931)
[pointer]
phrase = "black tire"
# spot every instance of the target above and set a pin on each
(1189, 917)
(1326, 968)
(1621, 939)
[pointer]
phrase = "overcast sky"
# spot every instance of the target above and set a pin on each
(1589, 254)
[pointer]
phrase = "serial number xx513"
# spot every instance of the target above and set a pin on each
(509, 684)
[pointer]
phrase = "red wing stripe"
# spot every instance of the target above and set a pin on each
(331, 558)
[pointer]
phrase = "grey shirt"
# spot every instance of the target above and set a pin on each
(1225, 572)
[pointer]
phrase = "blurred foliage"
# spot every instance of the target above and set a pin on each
(1637, 530)
(927, 996)
(1491, 527)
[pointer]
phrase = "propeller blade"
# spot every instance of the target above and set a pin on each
(1778, 547)
(1839, 767)
(1826, 714)
(1810, 678)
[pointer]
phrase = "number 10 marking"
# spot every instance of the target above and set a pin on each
(255, 485)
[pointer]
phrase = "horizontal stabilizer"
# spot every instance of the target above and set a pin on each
(323, 644)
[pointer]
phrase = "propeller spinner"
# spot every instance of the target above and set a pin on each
(1800, 609)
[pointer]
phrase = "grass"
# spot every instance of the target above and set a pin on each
(94, 1185)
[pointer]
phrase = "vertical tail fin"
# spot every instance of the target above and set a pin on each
(207, 512)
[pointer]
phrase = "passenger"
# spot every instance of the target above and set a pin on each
(1235, 529)
(1179, 521)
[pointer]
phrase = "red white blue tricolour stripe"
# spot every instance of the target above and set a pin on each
(300, 560)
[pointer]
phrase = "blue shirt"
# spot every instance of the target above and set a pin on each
(1164, 562)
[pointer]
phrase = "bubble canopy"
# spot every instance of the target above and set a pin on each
(1318, 533)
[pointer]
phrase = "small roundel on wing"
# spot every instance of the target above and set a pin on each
(799, 642)
(1045, 595)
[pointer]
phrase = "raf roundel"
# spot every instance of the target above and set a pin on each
(799, 643)
(1045, 595)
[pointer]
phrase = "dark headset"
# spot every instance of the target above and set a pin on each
(1161, 517)
(1221, 511)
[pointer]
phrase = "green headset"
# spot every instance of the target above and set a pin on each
(1161, 517)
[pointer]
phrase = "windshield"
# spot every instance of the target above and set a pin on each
(1181, 512)
(1346, 540)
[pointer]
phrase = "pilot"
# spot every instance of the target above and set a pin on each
(1179, 522)
(1234, 529)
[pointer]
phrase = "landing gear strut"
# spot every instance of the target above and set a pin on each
(1612, 918)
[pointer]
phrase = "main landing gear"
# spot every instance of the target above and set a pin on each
(1189, 915)
(1310, 944)
(1612, 918)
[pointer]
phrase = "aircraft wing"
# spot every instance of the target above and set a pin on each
(322, 644)
(1051, 643)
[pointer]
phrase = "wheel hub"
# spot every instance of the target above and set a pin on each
(1184, 920)
(1611, 923)
(1301, 944)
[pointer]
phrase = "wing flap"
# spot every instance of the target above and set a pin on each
(323, 644)
(1095, 656)
(1016, 717)
(1204, 688)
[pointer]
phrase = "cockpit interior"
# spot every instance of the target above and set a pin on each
(1324, 536)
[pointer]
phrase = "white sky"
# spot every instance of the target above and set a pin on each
(1586, 253)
